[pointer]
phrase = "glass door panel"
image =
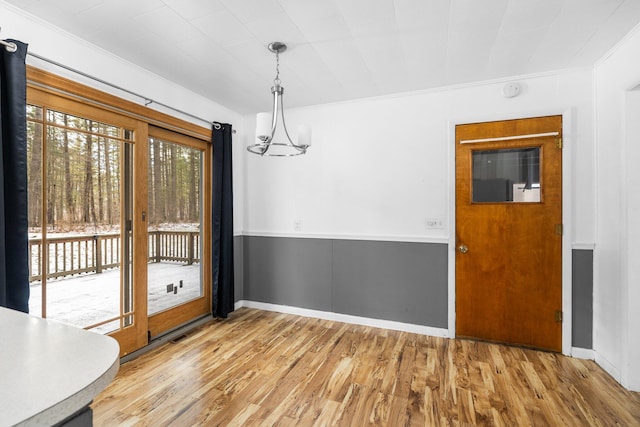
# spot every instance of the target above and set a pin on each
(175, 224)
(80, 216)
(176, 182)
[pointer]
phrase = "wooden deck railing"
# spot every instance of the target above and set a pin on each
(94, 254)
(180, 246)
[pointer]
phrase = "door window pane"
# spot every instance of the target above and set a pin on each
(175, 224)
(506, 175)
(76, 218)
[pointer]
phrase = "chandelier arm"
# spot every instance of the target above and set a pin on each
(286, 131)
(274, 115)
(274, 120)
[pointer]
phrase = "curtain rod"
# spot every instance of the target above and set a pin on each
(509, 138)
(147, 100)
(12, 47)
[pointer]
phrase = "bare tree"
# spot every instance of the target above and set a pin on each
(173, 183)
(88, 202)
(109, 189)
(99, 169)
(193, 178)
(68, 184)
(156, 183)
(34, 148)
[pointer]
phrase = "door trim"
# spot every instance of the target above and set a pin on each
(567, 211)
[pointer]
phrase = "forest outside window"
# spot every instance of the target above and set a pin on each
(174, 223)
(78, 198)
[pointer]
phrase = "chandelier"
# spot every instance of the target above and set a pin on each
(266, 123)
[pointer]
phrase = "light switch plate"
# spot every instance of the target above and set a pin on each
(434, 223)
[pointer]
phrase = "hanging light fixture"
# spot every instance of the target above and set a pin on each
(266, 123)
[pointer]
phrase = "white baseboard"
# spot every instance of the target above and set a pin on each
(346, 318)
(582, 353)
(631, 384)
(608, 366)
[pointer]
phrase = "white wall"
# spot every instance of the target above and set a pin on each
(51, 42)
(379, 168)
(616, 267)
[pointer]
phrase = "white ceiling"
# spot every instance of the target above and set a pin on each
(342, 49)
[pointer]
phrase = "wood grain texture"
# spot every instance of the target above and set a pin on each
(260, 368)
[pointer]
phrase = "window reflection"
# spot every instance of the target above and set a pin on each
(506, 175)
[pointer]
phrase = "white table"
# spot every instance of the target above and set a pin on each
(50, 371)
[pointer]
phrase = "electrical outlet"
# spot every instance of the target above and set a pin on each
(170, 288)
(434, 223)
(297, 225)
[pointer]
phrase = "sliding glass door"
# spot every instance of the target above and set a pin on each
(119, 214)
(81, 191)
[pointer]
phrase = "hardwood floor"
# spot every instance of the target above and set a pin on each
(264, 368)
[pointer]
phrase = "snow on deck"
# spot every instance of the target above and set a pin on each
(87, 299)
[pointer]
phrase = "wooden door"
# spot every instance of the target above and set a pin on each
(509, 232)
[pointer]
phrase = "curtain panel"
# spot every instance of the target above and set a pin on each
(222, 297)
(14, 245)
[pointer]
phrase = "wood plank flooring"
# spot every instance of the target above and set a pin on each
(270, 369)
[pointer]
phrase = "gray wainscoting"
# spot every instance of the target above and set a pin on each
(405, 282)
(398, 281)
(582, 298)
(238, 267)
(286, 271)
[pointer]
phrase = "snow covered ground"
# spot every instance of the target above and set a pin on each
(87, 299)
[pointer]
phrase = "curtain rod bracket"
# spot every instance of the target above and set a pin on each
(218, 126)
(9, 46)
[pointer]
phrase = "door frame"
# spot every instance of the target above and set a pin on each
(567, 211)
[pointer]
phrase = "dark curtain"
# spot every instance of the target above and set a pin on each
(222, 297)
(14, 255)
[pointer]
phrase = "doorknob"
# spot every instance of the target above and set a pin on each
(463, 249)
